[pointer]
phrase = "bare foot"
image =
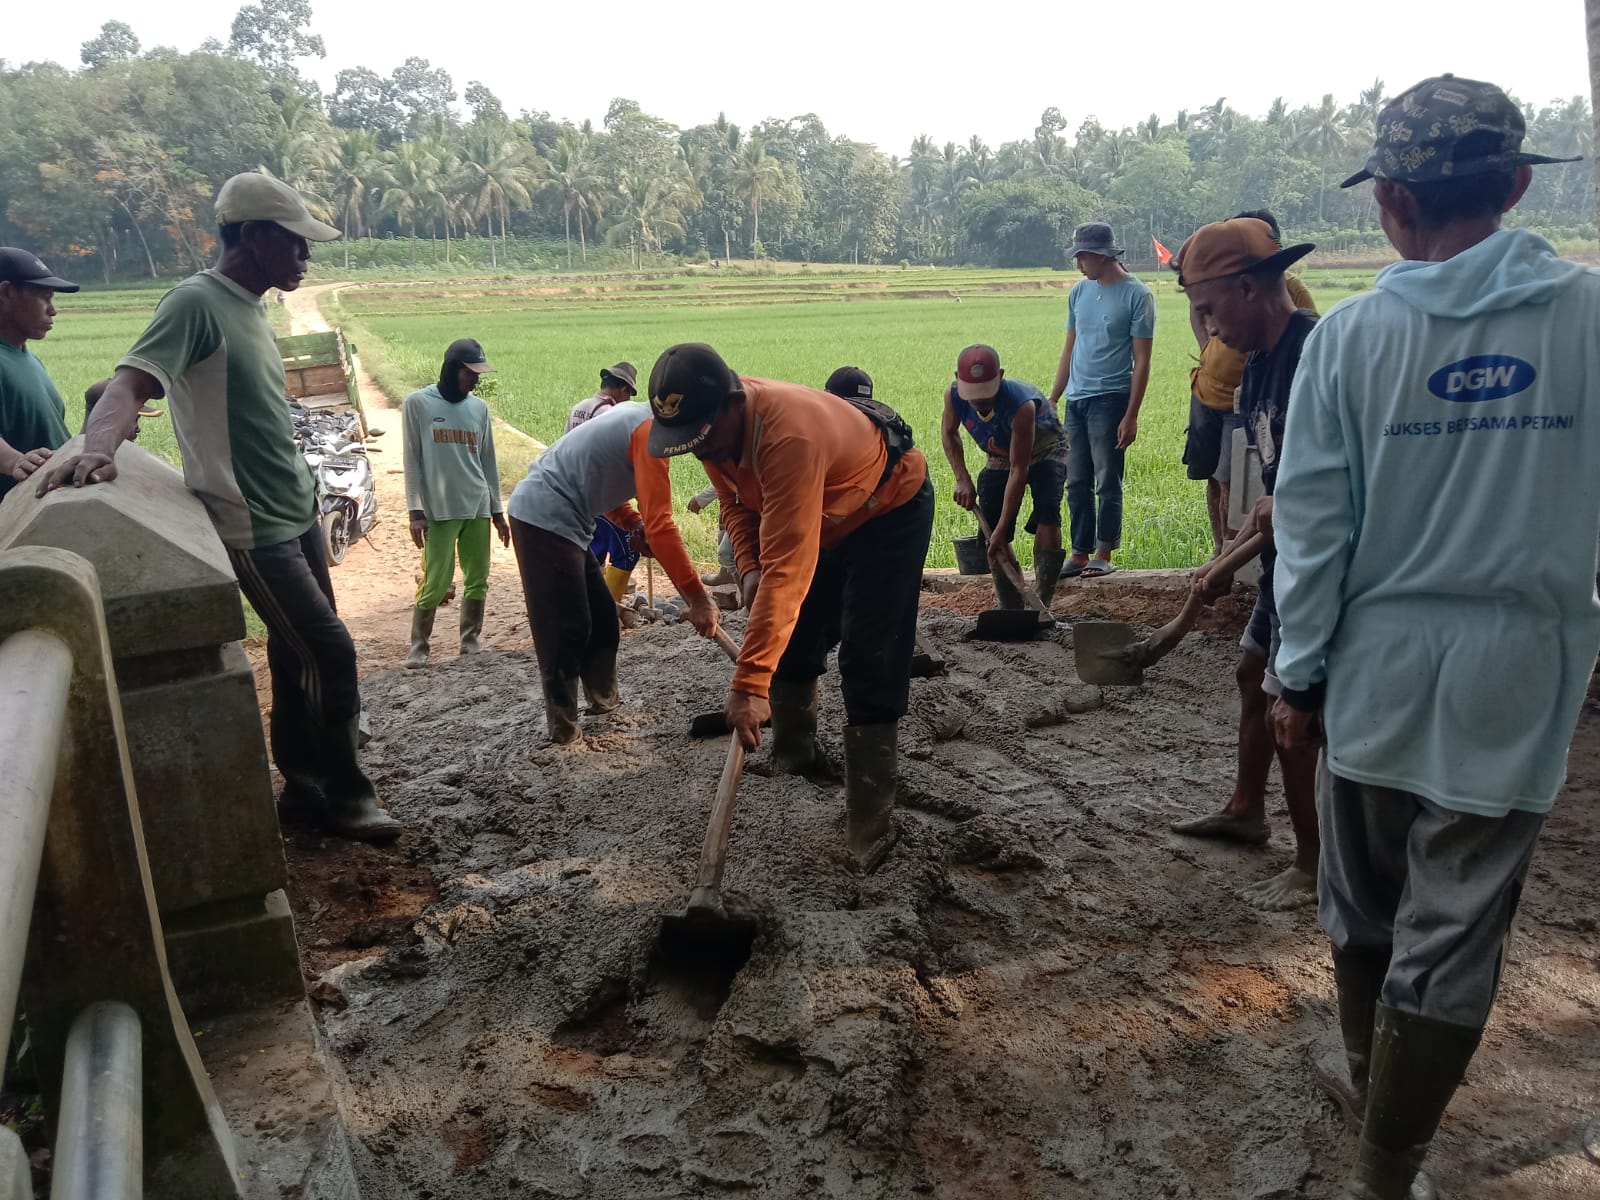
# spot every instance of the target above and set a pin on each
(1289, 889)
(1225, 826)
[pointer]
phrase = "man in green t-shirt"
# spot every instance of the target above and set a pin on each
(211, 352)
(33, 421)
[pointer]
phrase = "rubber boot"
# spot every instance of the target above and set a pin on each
(1358, 975)
(617, 581)
(301, 803)
(871, 773)
(795, 750)
(1047, 566)
(353, 810)
(1417, 1064)
(561, 710)
(471, 625)
(721, 577)
(1005, 593)
(421, 631)
(599, 677)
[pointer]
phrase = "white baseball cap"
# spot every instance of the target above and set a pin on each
(252, 196)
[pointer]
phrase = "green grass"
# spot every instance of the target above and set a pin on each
(550, 335)
(548, 346)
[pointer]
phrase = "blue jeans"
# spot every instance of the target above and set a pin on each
(1094, 471)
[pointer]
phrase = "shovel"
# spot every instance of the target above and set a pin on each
(1111, 652)
(1011, 624)
(704, 930)
(715, 724)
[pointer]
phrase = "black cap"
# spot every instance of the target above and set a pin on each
(1448, 128)
(689, 386)
(852, 383)
(20, 266)
(465, 352)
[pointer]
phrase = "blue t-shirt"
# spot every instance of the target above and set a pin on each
(1107, 317)
(992, 429)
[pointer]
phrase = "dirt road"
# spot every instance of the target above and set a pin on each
(1042, 994)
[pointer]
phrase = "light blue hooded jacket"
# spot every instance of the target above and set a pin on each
(1437, 513)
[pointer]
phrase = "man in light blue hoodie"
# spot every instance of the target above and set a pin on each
(1436, 513)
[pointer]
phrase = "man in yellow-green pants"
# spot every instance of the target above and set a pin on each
(453, 492)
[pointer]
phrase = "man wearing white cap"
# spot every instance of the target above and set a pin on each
(211, 352)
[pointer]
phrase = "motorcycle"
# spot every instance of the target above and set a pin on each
(347, 500)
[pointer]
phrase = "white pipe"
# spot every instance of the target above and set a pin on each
(100, 1138)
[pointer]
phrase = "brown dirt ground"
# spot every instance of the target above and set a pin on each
(1041, 994)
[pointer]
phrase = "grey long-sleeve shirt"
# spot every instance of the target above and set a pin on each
(451, 474)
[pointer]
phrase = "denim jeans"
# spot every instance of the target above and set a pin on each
(1094, 471)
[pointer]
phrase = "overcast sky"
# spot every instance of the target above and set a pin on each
(883, 72)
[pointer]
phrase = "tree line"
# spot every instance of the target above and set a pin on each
(112, 166)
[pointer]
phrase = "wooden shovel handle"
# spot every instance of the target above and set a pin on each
(714, 854)
(1030, 598)
(729, 646)
(1238, 552)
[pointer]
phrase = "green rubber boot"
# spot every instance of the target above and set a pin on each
(1417, 1064)
(871, 773)
(561, 710)
(353, 810)
(599, 677)
(795, 749)
(421, 631)
(471, 625)
(1358, 975)
(1047, 566)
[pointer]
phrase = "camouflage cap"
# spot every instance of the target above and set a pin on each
(1446, 128)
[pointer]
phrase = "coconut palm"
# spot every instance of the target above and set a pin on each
(415, 189)
(359, 173)
(647, 206)
(571, 178)
(756, 176)
(303, 151)
(496, 172)
(1324, 134)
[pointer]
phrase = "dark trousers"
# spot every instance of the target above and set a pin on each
(570, 612)
(863, 599)
(309, 651)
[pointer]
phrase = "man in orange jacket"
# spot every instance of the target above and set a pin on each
(830, 527)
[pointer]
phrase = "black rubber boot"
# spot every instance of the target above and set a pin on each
(561, 710)
(471, 625)
(871, 774)
(1047, 566)
(1417, 1064)
(795, 749)
(353, 810)
(600, 684)
(1358, 975)
(421, 631)
(294, 753)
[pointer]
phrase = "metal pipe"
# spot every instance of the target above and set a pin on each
(100, 1139)
(35, 675)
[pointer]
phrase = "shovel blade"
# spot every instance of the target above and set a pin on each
(1008, 625)
(1105, 653)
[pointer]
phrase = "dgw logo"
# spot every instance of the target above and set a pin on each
(1482, 377)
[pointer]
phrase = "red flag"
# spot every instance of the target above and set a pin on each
(1163, 255)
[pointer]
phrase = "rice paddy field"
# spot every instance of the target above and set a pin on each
(549, 338)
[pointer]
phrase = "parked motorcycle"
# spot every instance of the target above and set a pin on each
(347, 500)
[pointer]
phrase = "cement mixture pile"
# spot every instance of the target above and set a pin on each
(1040, 993)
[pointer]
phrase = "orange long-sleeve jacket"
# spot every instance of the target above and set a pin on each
(806, 478)
(654, 493)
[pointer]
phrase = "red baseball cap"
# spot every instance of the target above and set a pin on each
(978, 373)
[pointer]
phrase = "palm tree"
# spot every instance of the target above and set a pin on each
(649, 204)
(303, 151)
(496, 171)
(359, 172)
(1323, 134)
(756, 176)
(414, 191)
(571, 178)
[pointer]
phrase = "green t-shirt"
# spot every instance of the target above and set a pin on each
(31, 413)
(211, 348)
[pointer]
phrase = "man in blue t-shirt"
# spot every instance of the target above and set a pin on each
(1105, 365)
(1022, 436)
